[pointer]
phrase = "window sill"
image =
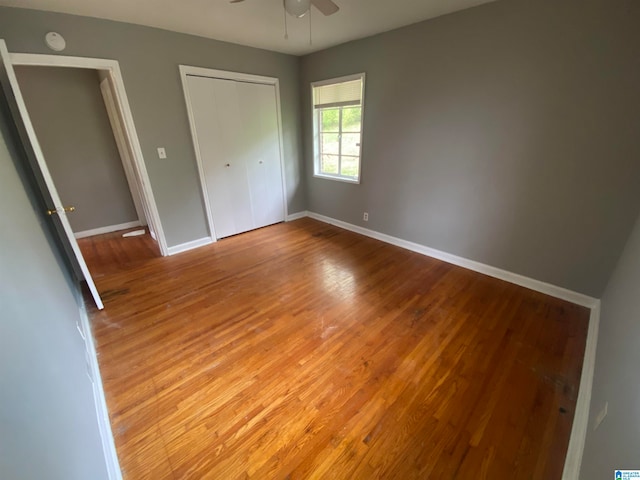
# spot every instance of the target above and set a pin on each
(337, 179)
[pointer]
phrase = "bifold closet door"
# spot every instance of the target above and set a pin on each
(264, 171)
(236, 126)
(220, 134)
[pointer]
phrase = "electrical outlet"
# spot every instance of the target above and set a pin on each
(365, 217)
(162, 153)
(601, 415)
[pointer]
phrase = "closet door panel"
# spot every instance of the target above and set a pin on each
(258, 104)
(219, 128)
(232, 125)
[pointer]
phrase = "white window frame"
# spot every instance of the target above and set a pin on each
(316, 130)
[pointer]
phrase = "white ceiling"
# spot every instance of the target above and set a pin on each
(259, 23)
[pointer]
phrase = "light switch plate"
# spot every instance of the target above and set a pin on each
(162, 152)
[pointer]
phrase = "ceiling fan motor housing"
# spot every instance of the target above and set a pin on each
(297, 8)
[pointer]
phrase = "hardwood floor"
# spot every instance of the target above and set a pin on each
(305, 351)
(111, 253)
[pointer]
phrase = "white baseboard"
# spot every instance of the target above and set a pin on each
(573, 460)
(107, 229)
(104, 425)
(296, 216)
(183, 247)
(537, 285)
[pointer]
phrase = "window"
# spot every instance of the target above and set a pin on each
(337, 127)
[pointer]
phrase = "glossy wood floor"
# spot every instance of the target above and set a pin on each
(111, 253)
(305, 351)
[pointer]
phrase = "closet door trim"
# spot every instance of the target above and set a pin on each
(186, 70)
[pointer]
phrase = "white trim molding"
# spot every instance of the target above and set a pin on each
(183, 247)
(112, 69)
(107, 229)
(296, 216)
(573, 460)
(537, 285)
(122, 143)
(102, 412)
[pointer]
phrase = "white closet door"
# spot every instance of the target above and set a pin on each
(258, 103)
(236, 125)
(220, 134)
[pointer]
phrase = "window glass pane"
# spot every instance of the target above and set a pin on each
(351, 144)
(330, 120)
(330, 143)
(349, 166)
(338, 116)
(351, 119)
(329, 164)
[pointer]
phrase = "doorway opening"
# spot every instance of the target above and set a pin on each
(109, 180)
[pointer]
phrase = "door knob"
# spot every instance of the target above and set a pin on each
(66, 209)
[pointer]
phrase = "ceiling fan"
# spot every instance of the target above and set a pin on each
(299, 8)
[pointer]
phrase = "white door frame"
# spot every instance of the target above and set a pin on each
(122, 143)
(112, 69)
(239, 77)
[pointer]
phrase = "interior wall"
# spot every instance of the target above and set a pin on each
(614, 445)
(506, 134)
(149, 60)
(73, 129)
(48, 421)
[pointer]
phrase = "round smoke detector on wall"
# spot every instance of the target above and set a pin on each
(55, 41)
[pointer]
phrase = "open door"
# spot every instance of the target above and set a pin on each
(124, 148)
(32, 148)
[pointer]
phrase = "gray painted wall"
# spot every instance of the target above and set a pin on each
(48, 420)
(616, 442)
(71, 122)
(506, 134)
(149, 60)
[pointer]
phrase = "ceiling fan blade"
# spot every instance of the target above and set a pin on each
(327, 7)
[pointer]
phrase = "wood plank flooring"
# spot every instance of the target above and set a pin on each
(305, 351)
(111, 253)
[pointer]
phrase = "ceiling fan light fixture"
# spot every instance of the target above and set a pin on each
(297, 8)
